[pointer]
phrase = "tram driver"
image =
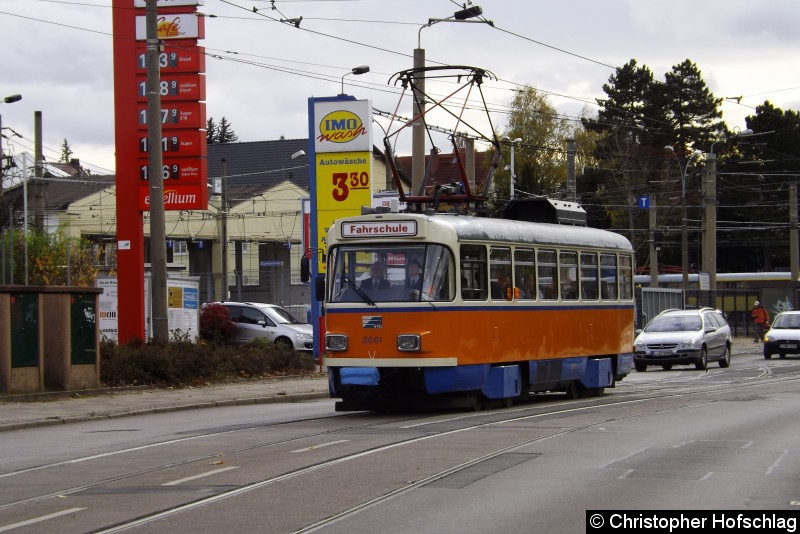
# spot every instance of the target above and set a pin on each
(376, 278)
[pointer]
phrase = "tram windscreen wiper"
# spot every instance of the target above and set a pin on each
(360, 292)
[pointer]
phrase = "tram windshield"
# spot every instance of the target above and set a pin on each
(391, 273)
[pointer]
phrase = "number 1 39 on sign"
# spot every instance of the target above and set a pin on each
(345, 182)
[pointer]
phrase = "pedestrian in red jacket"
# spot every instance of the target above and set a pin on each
(761, 319)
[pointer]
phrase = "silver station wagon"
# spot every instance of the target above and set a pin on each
(684, 337)
(255, 319)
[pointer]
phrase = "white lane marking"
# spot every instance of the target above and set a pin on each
(201, 475)
(777, 462)
(39, 519)
(313, 447)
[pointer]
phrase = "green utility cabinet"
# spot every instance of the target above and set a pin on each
(20, 342)
(53, 341)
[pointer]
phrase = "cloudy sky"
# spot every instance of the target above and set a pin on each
(261, 72)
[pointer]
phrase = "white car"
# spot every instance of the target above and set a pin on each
(255, 319)
(783, 337)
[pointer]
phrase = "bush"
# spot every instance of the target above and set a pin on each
(182, 363)
(215, 323)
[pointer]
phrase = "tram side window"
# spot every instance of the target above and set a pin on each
(625, 277)
(548, 275)
(438, 282)
(588, 276)
(525, 273)
(608, 276)
(568, 268)
(473, 272)
(500, 273)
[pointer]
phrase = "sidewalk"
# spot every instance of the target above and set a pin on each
(26, 411)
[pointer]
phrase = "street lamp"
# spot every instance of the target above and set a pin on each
(7, 100)
(293, 156)
(684, 241)
(709, 263)
(363, 69)
(418, 106)
(513, 166)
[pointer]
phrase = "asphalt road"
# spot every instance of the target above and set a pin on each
(677, 440)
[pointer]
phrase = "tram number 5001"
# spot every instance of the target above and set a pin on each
(372, 340)
(344, 182)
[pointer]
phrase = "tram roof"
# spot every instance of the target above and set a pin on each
(483, 229)
(666, 278)
(468, 228)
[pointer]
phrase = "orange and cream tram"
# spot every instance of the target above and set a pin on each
(502, 309)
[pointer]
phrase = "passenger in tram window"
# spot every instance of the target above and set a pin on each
(546, 292)
(413, 278)
(376, 279)
(569, 290)
(528, 287)
(589, 290)
(501, 289)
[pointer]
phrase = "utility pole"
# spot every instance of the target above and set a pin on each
(38, 163)
(572, 192)
(418, 128)
(469, 162)
(653, 244)
(709, 263)
(158, 245)
(223, 230)
(794, 248)
(684, 240)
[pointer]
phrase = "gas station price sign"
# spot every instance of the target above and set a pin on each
(189, 58)
(175, 87)
(184, 170)
(176, 115)
(179, 143)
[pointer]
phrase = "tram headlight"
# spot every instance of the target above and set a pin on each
(409, 343)
(335, 342)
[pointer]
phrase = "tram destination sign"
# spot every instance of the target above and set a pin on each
(355, 229)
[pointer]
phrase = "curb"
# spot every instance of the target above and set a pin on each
(45, 396)
(52, 421)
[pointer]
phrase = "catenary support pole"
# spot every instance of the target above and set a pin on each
(158, 245)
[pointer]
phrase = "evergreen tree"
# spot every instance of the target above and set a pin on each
(66, 152)
(778, 151)
(625, 155)
(211, 131)
(225, 133)
(689, 108)
(754, 175)
(639, 117)
(625, 112)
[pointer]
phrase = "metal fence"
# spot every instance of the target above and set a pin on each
(735, 305)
